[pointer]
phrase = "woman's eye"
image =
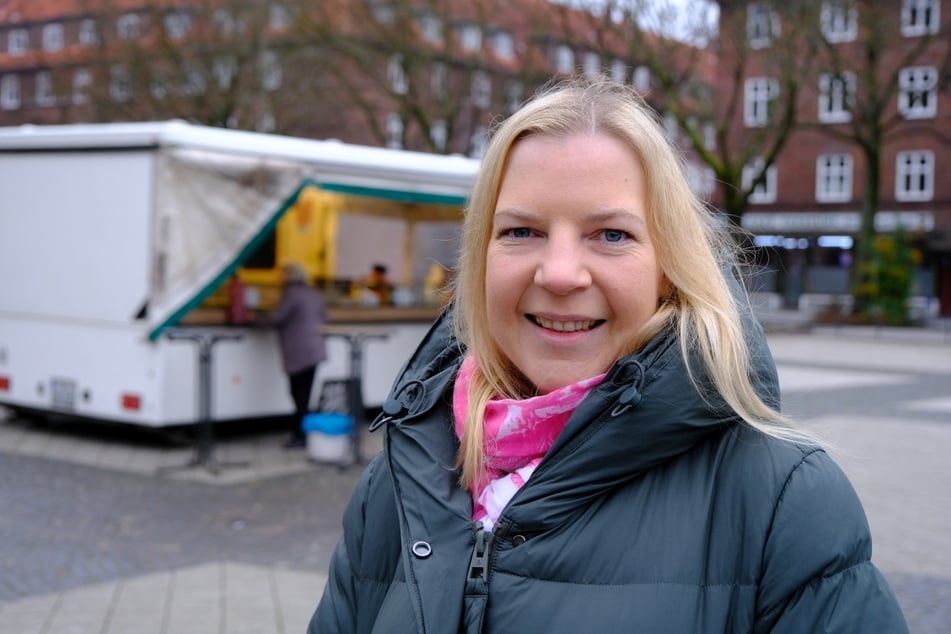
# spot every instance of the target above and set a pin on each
(615, 235)
(517, 232)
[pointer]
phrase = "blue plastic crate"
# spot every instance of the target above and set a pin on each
(331, 424)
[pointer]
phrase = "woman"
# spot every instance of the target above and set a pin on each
(298, 318)
(590, 442)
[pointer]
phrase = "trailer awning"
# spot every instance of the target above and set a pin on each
(219, 193)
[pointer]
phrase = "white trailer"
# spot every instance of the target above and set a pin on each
(110, 234)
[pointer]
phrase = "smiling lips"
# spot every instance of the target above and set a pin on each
(566, 326)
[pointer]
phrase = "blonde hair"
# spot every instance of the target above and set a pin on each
(701, 305)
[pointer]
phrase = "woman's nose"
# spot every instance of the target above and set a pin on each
(563, 267)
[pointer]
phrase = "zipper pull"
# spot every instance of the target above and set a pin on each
(479, 564)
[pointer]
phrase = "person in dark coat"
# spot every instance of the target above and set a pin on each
(298, 318)
(589, 439)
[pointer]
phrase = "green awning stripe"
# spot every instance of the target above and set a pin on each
(396, 195)
(227, 271)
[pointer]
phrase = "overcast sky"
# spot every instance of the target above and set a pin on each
(687, 14)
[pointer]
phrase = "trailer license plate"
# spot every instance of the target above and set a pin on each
(63, 392)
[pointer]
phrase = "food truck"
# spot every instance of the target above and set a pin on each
(115, 237)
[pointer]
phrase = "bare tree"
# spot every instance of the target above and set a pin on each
(700, 79)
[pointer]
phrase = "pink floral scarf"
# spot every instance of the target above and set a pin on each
(517, 434)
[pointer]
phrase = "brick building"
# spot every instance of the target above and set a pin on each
(807, 213)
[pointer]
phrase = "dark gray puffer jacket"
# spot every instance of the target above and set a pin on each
(653, 512)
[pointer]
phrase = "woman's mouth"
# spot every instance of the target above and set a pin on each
(566, 326)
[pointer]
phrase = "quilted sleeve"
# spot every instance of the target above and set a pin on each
(818, 575)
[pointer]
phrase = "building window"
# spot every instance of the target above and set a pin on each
(430, 27)
(918, 92)
(265, 122)
(394, 131)
(470, 37)
(383, 11)
(177, 24)
(120, 87)
(481, 89)
(44, 89)
(82, 81)
(478, 142)
(834, 178)
(269, 68)
(18, 41)
(914, 176)
(10, 92)
(564, 59)
(920, 17)
(759, 95)
(224, 69)
(836, 97)
(765, 191)
(642, 79)
(88, 35)
(195, 83)
(618, 71)
(504, 44)
(53, 37)
(439, 135)
(591, 64)
(396, 75)
(762, 25)
(224, 21)
(514, 93)
(439, 79)
(127, 26)
(279, 16)
(839, 20)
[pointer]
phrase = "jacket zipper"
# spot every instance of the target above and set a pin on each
(485, 542)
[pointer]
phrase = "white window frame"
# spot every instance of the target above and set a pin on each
(918, 92)
(920, 17)
(470, 38)
(914, 176)
(18, 42)
(839, 21)
(591, 66)
(641, 79)
(758, 95)
(618, 71)
(430, 27)
(765, 192)
(514, 94)
(82, 80)
(225, 69)
(503, 42)
(396, 74)
(394, 131)
(88, 33)
(52, 37)
(834, 175)
(224, 21)
(269, 70)
(564, 59)
(762, 25)
(43, 89)
(120, 84)
(279, 16)
(439, 135)
(836, 97)
(177, 24)
(439, 79)
(480, 89)
(128, 26)
(10, 96)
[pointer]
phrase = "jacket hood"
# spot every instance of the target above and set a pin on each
(646, 412)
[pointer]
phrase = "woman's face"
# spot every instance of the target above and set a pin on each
(571, 271)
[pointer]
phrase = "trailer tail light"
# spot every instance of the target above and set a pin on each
(4, 383)
(131, 402)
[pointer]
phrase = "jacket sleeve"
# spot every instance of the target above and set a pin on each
(818, 575)
(337, 610)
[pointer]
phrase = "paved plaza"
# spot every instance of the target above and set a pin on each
(95, 538)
